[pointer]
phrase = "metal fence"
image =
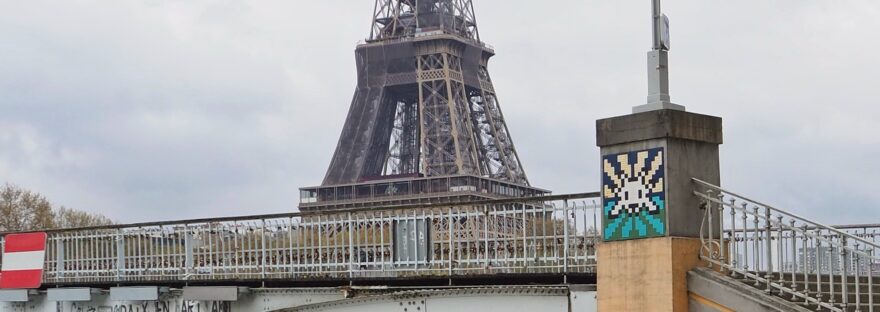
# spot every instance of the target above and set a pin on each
(555, 234)
(831, 268)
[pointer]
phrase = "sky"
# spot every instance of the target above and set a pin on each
(159, 110)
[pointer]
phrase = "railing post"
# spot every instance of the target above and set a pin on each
(745, 222)
(794, 257)
(804, 266)
(451, 248)
(59, 257)
(780, 250)
(768, 232)
(831, 267)
(844, 272)
(290, 251)
(871, 280)
(858, 269)
(818, 257)
(416, 240)
(565, 239)
(722, 249)
(382, 240)
(263, 261)
(120, 255)
(756, 237)
(711, 226)
(734, 246)
(320, 250)
(486, 235)
(525, 253)
(188, 245)
(351, 250)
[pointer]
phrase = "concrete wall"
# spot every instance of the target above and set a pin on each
(500, 299)
(709, 291)
(647, 274)
(488, 299)
(255, 300)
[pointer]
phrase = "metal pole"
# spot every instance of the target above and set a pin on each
(794, 256)
(745, 237)
(831, 255)
(59, 258)
(565, 239)
(486, 234)
(871, 280)
(382, 239)
(734, 245)
(656, 20)
(756, 236)
(818, 257)
(804, 259)
(449, 226)
(350, 249)
(188, 244)
(120, 254)
(263, 249)
(856, 258)
(780, 251)
(844, 272)
(768, 227)
(525, 251)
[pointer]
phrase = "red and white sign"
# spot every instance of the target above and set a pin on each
(23, 257)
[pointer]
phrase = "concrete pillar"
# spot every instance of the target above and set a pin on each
(651, 219)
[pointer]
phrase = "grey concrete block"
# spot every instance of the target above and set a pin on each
(69, 294)
(218, 293)
(146, 293)
(691, 146)
(658, 124)
(13, 295)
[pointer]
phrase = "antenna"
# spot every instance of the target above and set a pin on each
(658, 65)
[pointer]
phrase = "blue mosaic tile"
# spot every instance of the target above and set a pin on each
(634, 195)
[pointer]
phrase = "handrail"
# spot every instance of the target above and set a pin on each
(534, 235)
(817, 225)
(330, 212)
(784, 253)
(777, 226)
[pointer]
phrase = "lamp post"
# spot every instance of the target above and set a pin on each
(658, 65)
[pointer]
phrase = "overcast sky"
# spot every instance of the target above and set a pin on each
(155, 110)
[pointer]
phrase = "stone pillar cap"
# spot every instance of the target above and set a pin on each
(666, 123)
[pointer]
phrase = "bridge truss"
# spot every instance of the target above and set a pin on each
(547, 235)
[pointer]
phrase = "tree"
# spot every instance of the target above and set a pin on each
(66, 218)
(22, 210)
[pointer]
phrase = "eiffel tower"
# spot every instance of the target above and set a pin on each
(425, 125)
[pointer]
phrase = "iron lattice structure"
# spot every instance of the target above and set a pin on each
(403, 18)
(425, 105)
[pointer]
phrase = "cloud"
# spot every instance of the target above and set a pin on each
(153, 110)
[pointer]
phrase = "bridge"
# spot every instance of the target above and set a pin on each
(373, 258)
(551, 237)
(486, 247)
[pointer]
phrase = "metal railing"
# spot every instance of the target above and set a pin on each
(552, 234)
(430, 33)
(788, 255)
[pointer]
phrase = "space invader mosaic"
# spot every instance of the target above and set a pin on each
(634, 195)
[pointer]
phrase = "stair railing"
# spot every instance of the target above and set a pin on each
(786, 255)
